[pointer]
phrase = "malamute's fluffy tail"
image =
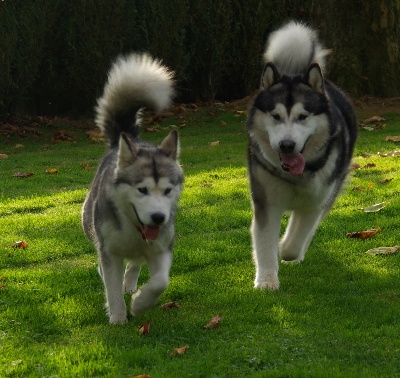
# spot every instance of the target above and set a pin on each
(293, 48)
(134, 81)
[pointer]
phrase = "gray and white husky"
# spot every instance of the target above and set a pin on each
(129, 211)
(302, 131)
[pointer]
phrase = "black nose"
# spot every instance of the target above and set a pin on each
(287, 146)
(158, 218)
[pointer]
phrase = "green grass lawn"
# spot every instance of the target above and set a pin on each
(337, 314)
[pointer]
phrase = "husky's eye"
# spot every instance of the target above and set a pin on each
(302, 117)
(276, 117)
(167, 191)
(143, 190)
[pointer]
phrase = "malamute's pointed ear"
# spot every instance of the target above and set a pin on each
(270, 76)
(127, 151)
(315, 79)
(170, 145)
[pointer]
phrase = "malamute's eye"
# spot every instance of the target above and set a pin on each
(276, 117)
(302, 117)
(143, 190)
(167, 191)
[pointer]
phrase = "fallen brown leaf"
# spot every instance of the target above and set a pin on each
(373, 120)
(52, 171)
(355, 166)
(144, 329)
(151, 130)
(95, 135)
(88, 167)
(213, 144)
(392, 138)
(20, 244)
(223, 123)
(3, 282)
(3, 156)
(369, 165)
(370, 185)
(206, 185)
(385, 181)
(169, 305)
(363, 234)
(179, 351)
(365, 155)
(22, 174)
(383, 250)
(214, 322)
(358, 188)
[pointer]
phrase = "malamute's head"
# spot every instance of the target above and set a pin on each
(289, 118)
(148, 183)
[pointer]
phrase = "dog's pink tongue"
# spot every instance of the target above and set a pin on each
(295, 163)
(151, 232)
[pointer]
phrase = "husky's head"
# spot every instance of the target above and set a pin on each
(148, 182)
(289, 120)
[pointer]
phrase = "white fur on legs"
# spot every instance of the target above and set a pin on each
(147, 296)
(265, 250)
(299, 233)
(131, 275)
(112, 271)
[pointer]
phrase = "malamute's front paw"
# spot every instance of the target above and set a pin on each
(141, 302)
(270, 282)
(118, 318)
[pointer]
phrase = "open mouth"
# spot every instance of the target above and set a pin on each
(148, 232)
(293, 163)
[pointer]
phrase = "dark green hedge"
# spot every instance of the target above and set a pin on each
(55, 54)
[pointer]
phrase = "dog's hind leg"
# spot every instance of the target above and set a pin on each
(299, 233)
(131, 275)
(112, 272)
(147, 296)
(265, 233)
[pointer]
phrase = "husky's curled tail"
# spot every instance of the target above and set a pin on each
(293, 48)
(130, 209)
(134, 81)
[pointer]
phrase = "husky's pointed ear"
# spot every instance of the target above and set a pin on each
(315, 79)
(127, 151)
(270, 76)
(170, 145)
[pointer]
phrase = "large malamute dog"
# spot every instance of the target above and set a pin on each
(130, 209)
(302, 131)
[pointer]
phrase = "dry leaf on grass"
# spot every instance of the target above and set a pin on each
(223, 123)
(20, 244)
(169, 305)
(151, 130)
(213, 144)
(373, 120)
(389, 154)
(206, 185)
(354, 167)
(385, 181)
(369, 165)
(358, 188)
(179, 351)
(383, 250)
(363, 234)
(214, 322)
(95, 135)
(374, 208)
(88, 167)
(52, 171)
(139, 376)
(3, 156)
(392, 138)
(3, 282)
(22, 174)
(144, 329)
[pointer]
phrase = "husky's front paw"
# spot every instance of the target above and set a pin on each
(141, 302)
(268, 283)
(118, 318)
(129, 287)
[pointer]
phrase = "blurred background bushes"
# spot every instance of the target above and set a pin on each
(55, 54)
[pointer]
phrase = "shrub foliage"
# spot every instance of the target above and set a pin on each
(55, 54)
